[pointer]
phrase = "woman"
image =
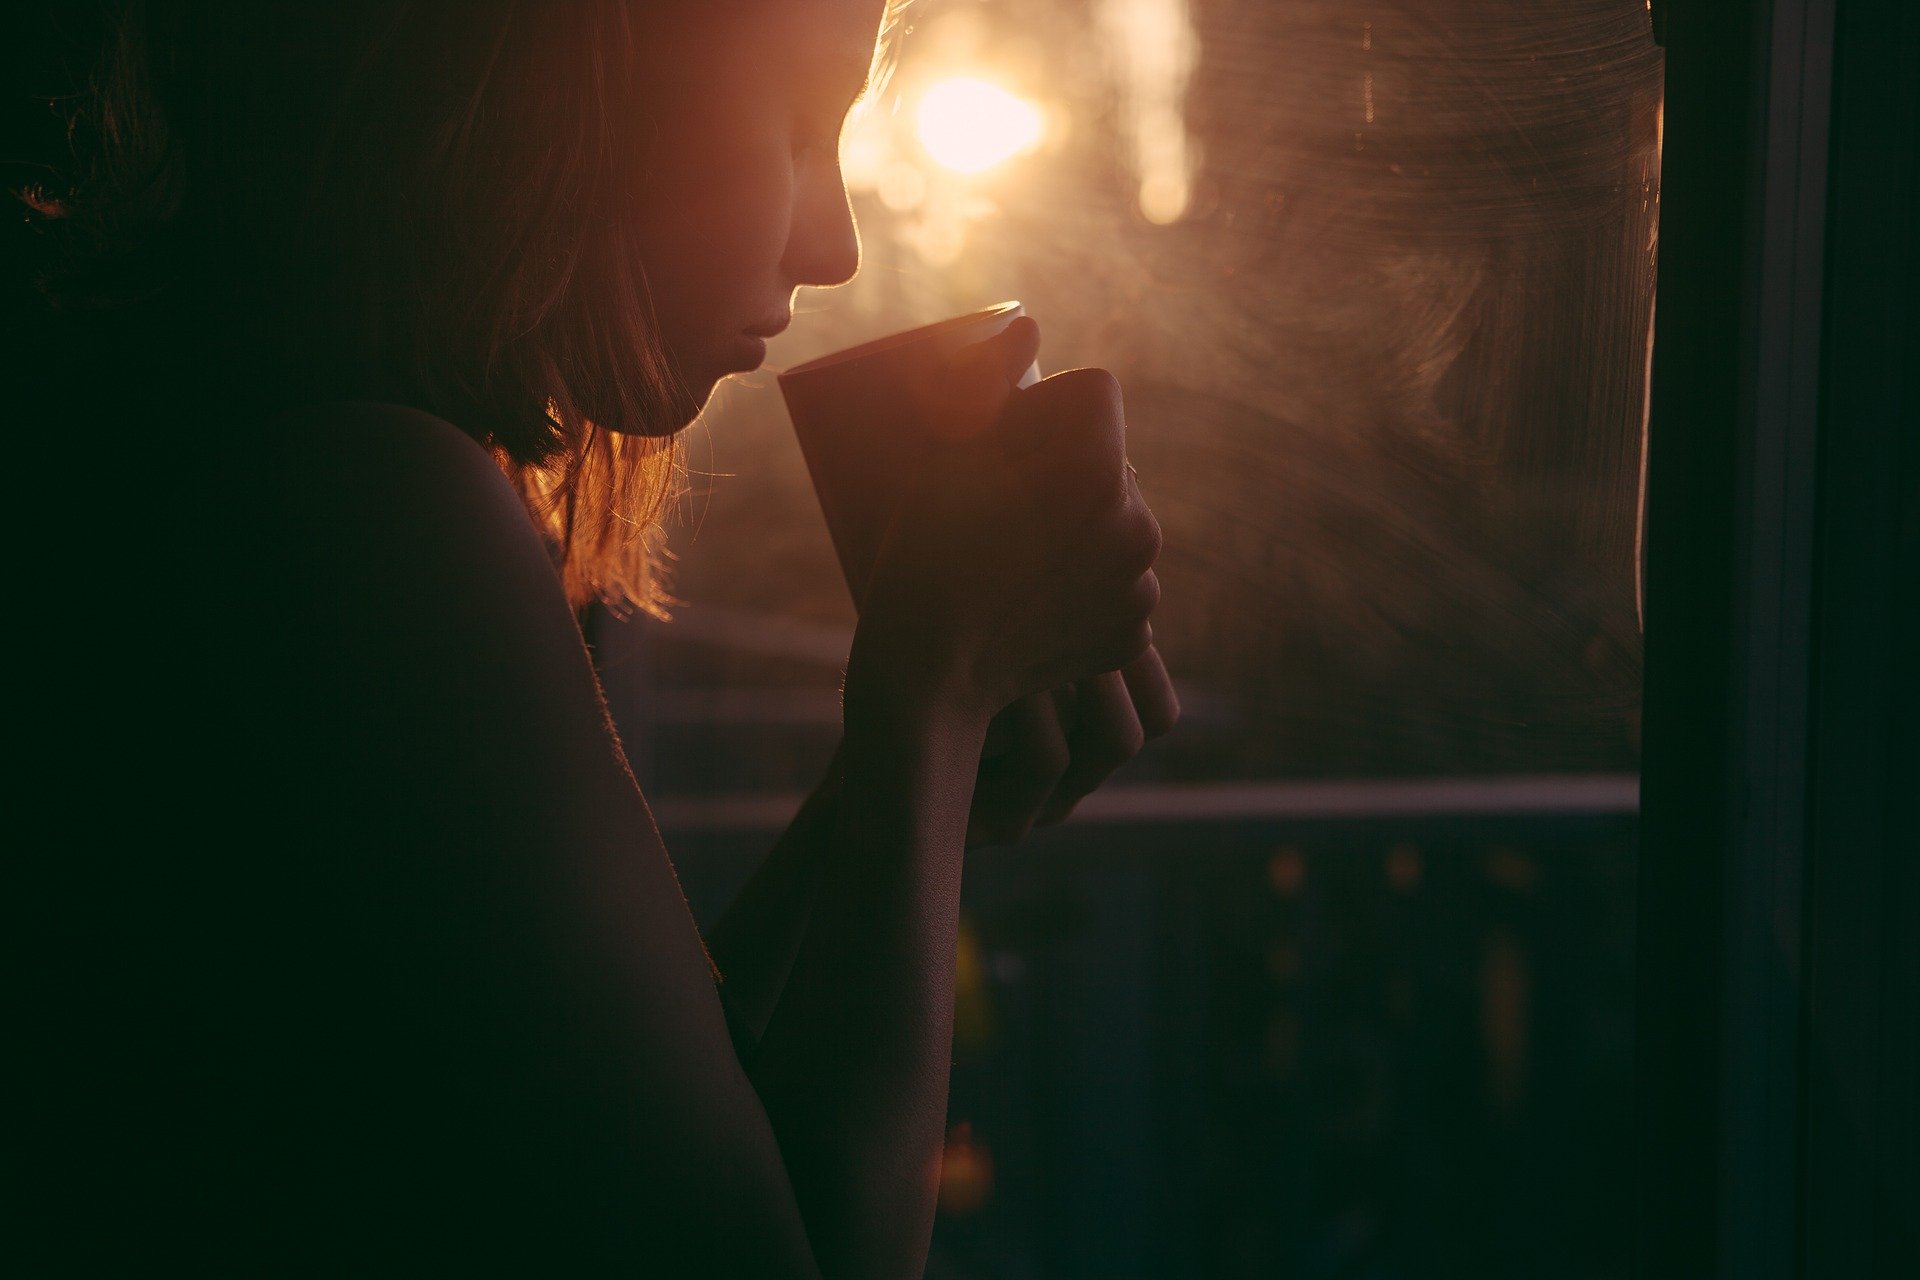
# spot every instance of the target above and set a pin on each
(378, 957)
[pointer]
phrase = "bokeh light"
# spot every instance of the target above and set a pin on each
(969, 125)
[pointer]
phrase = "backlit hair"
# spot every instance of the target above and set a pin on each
(416, 194)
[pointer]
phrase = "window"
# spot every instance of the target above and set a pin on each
(1336, 980)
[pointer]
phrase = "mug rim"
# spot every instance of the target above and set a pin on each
(894, 341)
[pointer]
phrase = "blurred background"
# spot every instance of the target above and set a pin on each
(1335, 981)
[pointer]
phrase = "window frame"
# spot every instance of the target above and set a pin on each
(1775, 1003)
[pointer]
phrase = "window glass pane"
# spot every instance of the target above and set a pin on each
(1378, 280)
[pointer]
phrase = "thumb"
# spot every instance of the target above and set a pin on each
(981, 377)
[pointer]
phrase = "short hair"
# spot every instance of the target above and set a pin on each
(420, 194)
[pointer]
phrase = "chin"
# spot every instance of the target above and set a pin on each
(693, 390)
(669, 420)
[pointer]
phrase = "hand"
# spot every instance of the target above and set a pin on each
(1050, 750)
(1021, 559)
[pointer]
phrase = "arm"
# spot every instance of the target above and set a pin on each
(1011, 572)
(1043, 754)
(853, 1063)
(530, 1038)
(754, 943)
(522, 1044)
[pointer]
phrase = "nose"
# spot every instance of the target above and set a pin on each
(823, 243)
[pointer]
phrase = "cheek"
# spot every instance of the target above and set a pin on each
(713, 220)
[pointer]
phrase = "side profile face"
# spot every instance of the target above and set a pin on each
(742, 200)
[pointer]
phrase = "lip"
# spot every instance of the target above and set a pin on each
(749, 353)
(770, 327)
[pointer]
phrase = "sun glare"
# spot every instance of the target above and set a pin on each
(969, 125)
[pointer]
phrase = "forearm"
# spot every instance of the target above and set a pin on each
(853, 1065)
(753, 945)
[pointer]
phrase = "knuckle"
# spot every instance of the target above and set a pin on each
(1103, 393)
(1126, 644)
(1144, 596)
(1123, 744)
(1044, 758)
(1147, 541)
(1097, 758)
(1129, 543)
(1133, 536)
(1092, 395)
(1089, 385)
(1161, 724)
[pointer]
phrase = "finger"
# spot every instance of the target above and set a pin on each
(981, 379)
(1012, 786)
(1016, 347)
(1105, 653)
(1155, 700)
(1106, 734)
(1066, 436)
(1126, 539)
(1129, 627)
(1003, 731)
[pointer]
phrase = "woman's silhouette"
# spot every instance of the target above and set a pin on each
(374, 323)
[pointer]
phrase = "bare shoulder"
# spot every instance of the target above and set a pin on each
(376, 454)
(383, 549)
(396, 498)
(413, 611)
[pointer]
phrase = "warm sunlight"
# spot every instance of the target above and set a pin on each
(969, 125)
